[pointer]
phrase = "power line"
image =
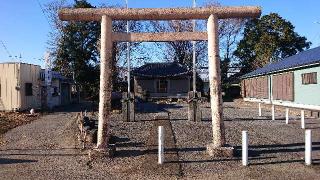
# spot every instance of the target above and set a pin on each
(44, 13)
(128, 53)
(6, 49)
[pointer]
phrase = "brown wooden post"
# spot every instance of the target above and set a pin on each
(105, 83)
(218, 134)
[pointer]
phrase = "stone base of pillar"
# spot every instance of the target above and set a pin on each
(194, 110)
(128, 109)
(102, 153)
(224, 151)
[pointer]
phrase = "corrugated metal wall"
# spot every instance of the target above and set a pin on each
(283, 87)
(13, 77)
(9, 99)
(255, 87)
(30, 74)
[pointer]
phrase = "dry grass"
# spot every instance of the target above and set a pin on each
(10, 120)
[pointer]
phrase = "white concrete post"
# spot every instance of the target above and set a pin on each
(273, 113)
(302, 119)
(105, 83)
(308, 147)
(160, 145)
(260, 114)
(287, 115)
(244, 148)
(218, 133)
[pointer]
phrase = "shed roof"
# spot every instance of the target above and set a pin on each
(161, 70)
(302, 59)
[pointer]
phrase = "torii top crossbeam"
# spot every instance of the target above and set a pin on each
(95, 14)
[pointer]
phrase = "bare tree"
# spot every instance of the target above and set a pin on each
(181, 51)
(75, 47)
(230, 32)
(178, 51)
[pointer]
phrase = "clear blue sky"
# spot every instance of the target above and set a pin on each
(24, 29)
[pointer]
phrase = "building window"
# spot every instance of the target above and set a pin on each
(29, 89)
(309, 78)
(162, 86)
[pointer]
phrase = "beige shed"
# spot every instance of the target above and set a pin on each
(19, 86)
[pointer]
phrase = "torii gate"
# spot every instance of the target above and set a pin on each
(106, 15)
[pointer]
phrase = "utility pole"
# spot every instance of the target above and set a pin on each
(194, 53)
(128, 56)
(128, 106)
(48, 78)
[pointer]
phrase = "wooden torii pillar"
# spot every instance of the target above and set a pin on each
(106, 15)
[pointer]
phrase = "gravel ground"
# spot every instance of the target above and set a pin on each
(276, 150)
(48, 149)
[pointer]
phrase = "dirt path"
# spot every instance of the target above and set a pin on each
(171, 153)
(47, 148)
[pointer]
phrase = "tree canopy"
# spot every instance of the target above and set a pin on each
(75, 48)
(268, 39)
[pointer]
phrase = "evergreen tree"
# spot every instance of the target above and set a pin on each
(268, 39)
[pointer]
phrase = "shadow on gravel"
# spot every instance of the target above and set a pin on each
(15, 161)
(253, 119)
(258, 150)
(314, 128)
(278, 162)
(195, 149)
(151, 120)
(130, 144)
(124, 142)
(151, 107)
(315, 162)
(176, 119)
(89, 106)
(134, 153)
(245, 119)
(216, 160)
(40, 149)
(38, 154)
(281, 145)
(129, 153)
